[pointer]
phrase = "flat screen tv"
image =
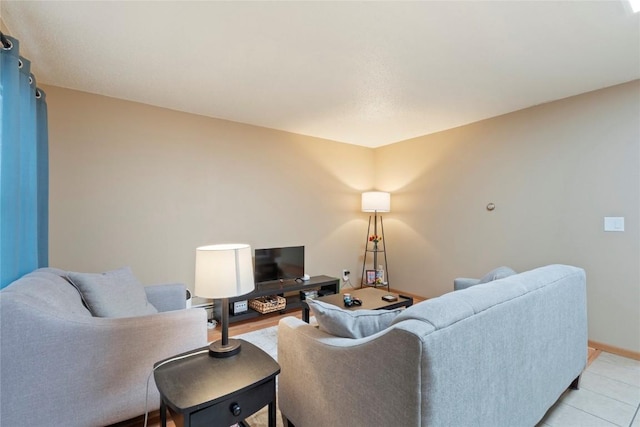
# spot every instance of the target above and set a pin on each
(279, 263)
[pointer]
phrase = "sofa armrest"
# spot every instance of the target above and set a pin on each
(167, 297)
(464, 283)
(82, 370)
(323, 377)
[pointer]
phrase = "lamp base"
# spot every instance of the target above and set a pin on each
(219, 350)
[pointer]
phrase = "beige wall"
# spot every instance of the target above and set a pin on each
(143, 186)
(553, 171)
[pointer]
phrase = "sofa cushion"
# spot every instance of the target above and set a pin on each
(50, 289)
(439, 312)
(115, 293)
(351, 324)
(497, 273)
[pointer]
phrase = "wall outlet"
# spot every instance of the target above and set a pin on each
(345, 274)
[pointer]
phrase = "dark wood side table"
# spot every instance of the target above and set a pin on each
(208, 391)
(371, 299)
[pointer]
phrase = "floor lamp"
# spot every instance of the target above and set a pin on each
(376, 201)
(224, 271)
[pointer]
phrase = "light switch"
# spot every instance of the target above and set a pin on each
(613, 223)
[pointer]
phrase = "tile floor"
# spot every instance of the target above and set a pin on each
(609, 395)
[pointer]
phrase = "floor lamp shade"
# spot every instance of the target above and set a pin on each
(376, 201)
(222, 272)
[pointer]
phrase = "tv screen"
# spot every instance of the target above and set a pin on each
(279, 263)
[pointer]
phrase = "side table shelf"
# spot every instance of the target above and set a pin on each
(330, 285)
(378, 248)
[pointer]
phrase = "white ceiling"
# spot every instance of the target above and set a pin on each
(366, 73)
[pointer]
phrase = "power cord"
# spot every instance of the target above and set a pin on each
(347, 283)
(173, 359)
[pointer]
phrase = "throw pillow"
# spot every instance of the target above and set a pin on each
(498, 273)
(114, 293)
(351, 324)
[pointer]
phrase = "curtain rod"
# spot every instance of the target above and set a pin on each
(5, 41)
(6, 44)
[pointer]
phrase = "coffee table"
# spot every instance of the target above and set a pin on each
(208, 391)
(371, 300)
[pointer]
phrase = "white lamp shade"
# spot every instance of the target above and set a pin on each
(373, 201)
(224, 271)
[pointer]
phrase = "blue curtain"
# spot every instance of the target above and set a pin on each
(24, 167)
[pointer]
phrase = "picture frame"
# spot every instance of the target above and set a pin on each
(371, 277)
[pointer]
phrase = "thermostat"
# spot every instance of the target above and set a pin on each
(238, 307)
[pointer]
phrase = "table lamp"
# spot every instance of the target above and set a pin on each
(224, 271)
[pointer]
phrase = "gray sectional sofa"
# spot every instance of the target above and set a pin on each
(495, 354)
(61, 365)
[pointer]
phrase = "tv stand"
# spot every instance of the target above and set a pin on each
(289, 289)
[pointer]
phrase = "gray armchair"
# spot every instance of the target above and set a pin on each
(495, 274)
(61, 366)
(464, 283)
